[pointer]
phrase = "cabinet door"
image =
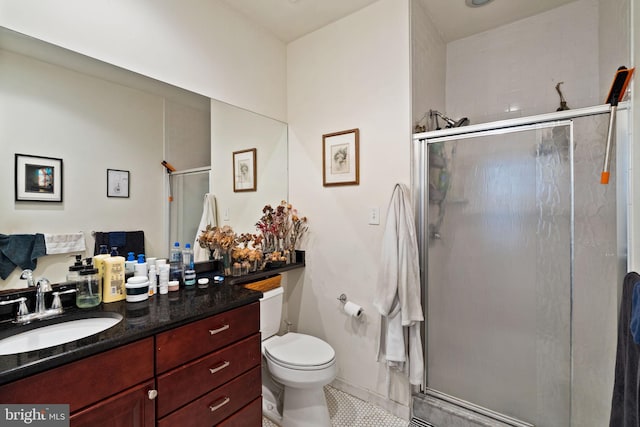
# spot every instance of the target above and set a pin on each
(85, 381)
(131, 408)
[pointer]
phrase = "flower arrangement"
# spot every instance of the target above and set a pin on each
(281, 229)
(219, 240)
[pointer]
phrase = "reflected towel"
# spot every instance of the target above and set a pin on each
(64, 243)
(129, 241)
(20, 250)
(209, 217)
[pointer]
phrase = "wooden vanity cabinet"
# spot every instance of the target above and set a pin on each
(209, 370)
(205, 373)
(110, 388)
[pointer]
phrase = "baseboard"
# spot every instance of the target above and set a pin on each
(390, 406)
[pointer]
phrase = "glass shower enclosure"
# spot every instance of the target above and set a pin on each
(522, 255)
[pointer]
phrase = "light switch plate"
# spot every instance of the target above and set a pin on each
(374, 216)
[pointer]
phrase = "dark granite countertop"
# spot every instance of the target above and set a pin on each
(140, 320)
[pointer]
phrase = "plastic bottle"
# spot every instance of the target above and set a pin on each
(187, 257)
(140, 269)
(114, 251)
(113, 280)
(153, 280)
(163, 279)
(103, 250)
(129, 265)
(175, 263)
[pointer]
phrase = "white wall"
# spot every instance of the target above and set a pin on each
(428, 65)
(353, 73)
(92, 125)
(200, 45)
(512, 71)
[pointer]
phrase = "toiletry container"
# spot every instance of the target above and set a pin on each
(129, 265)
(140, 269)
(175, 262)
(114, 279)
(98, 262)
(137, 288)
(89, 287)
(73, 276)
(153, 280)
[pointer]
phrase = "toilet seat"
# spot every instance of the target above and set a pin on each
(299, 352)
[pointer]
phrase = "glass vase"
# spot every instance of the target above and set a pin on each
(226, 263)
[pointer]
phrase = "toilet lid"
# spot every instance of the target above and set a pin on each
(299, 350)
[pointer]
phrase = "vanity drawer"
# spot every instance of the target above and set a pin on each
(186, 383)
(218, 404)
(196, 339)
(85, 381)
(250, 415)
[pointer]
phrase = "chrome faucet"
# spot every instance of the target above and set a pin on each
(42, 286)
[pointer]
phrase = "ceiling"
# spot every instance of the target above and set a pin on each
(292, 19)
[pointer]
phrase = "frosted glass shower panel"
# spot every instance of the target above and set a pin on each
(188, 190)
(499, 271)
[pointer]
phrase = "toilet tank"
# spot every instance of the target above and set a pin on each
(271, 312)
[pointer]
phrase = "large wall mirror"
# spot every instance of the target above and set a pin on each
(96, 116)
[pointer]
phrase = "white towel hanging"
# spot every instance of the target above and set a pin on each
(209, 217)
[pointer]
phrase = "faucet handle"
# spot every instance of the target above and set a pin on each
(22, 308)
(56, 304)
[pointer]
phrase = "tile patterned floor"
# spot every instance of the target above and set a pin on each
(348, 411)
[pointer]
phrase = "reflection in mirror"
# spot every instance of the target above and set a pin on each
(96, 116)
(234, 129)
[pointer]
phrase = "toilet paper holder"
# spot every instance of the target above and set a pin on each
(342, 298)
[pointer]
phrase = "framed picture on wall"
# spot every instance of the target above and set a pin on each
(244, 170)
(38, 179)
(117, 183)
(340, 158)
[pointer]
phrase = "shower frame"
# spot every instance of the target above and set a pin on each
(420, 171)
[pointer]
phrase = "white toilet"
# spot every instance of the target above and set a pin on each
(295, 368)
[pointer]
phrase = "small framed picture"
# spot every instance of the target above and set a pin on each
(244, 170)
(117, 183)
(340, 158)
(38, 179)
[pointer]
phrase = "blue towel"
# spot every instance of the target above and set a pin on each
(20, 250)
(117, 239)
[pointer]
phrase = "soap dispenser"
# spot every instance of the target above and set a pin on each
(140, 269)
(89, 289)
(129, 265)
(73, 276)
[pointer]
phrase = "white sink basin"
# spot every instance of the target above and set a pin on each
(56, 334)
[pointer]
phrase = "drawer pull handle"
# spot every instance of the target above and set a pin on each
(219, 368)
(220, 405)
(216, 331)
(152, 394)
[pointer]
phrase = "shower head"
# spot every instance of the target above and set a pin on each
(450, 122)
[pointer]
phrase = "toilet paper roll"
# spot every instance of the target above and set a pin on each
(352, 309)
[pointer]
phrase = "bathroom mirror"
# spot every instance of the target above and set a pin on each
(184, 128)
